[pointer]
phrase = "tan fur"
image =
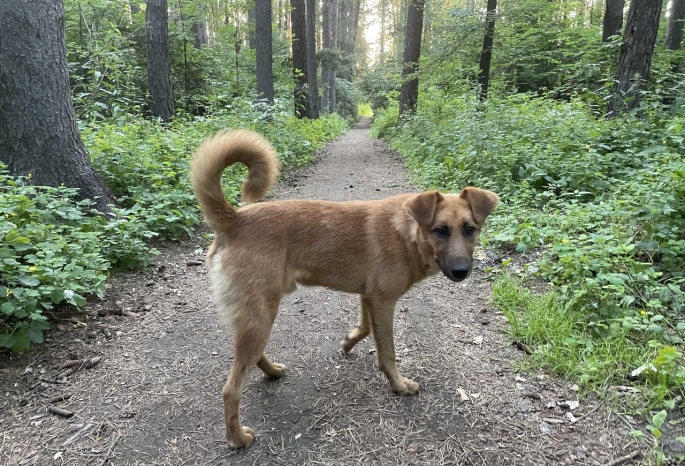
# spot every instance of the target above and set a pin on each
(377, 249)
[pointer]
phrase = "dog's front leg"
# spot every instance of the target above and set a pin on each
(381, 314)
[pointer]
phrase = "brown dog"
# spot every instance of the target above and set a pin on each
(377, 249)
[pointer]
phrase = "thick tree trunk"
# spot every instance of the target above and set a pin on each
(613, 19)
(635, 60)
(158, 63)
(38, 132)
(674, 30)
(486, 55)
(409, 93)
(298, 18)
(312, 79)
(264, 49)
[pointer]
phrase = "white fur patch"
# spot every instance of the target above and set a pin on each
(225, 294)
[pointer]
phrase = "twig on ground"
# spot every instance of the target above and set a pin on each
(58, 398)
(586, 415)
(623, 459)
(115, 439)
(77, 435)
(60, 411)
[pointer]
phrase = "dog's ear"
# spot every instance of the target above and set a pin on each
(423, 207)
(482, 202)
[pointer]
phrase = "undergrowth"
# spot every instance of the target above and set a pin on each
(604, 203)
(57, 250)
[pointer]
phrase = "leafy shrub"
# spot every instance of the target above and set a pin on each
(604, 200)
(57, 250)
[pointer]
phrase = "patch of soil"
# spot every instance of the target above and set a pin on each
(154, 396)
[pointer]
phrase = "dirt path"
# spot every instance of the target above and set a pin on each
(155, 396)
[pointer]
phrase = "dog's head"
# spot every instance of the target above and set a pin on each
(450, 225)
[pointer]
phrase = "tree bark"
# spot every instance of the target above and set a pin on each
(329, 28)
(312, 79)
(332, 104)
(635, 59)
(674, 30)
(199, 30)
(613, 19)
(486, 55)
(264, 50)
(298, 19)
(38, 132)
(158, 63)
(409, 93)
(251, 28)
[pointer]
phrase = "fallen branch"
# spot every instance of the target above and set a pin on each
(58, 398)
(76, 436)
(623, 459)
(60, 411)
(108, 455)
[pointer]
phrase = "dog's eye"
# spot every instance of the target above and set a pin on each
(469, 230)
(441, 232)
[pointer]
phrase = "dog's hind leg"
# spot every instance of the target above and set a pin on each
(275, 370)
(381, 313)
(360, 332)
(252, 328)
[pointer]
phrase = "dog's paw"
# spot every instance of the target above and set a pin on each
(347, 345)
(245, 440)
(405, 386)
(278, 370)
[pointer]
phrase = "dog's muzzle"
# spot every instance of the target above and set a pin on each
(456, 271)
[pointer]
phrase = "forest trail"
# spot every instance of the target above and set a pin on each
(154, 398)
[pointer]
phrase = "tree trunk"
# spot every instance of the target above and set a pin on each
(381, 40)
(264, 50)
(312, 79)
(674, 30)
(199, 30)
(636, 55)
(251, 28)
(38, 133)
(486, 55)
(409, 93)
(328, 60)
(613, 19)
(298, 19)
(158, 63)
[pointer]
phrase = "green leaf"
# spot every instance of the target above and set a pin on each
(28, 281)
(74, 298)
(659, 418)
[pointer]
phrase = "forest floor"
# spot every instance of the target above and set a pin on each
(154, 395)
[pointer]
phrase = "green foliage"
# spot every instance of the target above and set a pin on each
(347, 99)
(55, 250)
(603, 201)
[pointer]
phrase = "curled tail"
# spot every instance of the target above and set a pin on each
(218, 152)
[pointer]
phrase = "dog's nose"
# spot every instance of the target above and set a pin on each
(460, 273)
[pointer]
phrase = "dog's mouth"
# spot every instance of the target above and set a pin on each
(457, 271)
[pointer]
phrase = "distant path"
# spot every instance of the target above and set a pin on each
(155, 396)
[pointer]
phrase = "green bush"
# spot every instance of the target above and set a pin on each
(603, 200)
(57, 250)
